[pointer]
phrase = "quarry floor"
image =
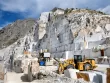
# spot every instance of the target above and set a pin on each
(13, 77)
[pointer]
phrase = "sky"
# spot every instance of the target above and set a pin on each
(12, 10)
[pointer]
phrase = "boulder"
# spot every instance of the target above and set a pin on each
(71, 73)
(30, 78)
(26, 62)
(92, 76)
(17, 66)
(85, 76)
(96, 76)
(101, 76)
(98, 29)
(1, 76)
(108, 75)
(33, 69)
(107, 27)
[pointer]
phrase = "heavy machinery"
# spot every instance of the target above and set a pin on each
(84, 64)
(41, 59)
(45, 59)
(76, 63)
(65, 65)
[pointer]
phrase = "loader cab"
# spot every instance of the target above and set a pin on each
(77, 58)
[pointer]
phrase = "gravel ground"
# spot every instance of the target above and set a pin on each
(51, 77)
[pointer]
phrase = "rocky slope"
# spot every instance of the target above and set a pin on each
(15, 31)
(17, 38)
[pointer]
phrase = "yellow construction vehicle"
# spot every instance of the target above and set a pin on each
(65, 65)
(76, 63)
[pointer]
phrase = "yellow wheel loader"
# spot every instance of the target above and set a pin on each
(76, 63)
(65, 65)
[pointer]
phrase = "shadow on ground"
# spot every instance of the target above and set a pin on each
(24, 78)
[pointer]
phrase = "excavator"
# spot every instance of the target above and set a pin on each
(76, 63)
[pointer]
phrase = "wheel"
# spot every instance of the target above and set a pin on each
(87, 66)
(70, 66)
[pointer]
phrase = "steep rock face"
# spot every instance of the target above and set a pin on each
(15, 31)
(43, 20)
(74, 31)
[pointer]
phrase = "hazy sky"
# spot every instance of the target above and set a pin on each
(11, 10)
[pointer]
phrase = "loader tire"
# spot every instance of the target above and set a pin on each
(87, 66)
(70, 66)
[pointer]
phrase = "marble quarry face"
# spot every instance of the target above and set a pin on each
(75, 32)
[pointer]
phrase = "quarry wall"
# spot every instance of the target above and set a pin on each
(77, 33)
